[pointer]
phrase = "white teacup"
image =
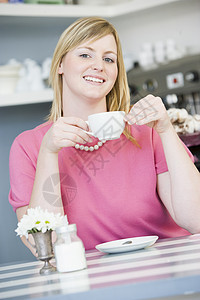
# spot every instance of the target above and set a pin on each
(106, 125)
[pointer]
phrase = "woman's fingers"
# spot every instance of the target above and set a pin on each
(71, 132)
(149, 111)
(145, 107)
(75, 122)
(142, 117)
(32, 249)
(66, 132)
(67, 139)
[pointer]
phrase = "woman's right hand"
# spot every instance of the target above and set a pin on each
(65, 132)
(30, 244)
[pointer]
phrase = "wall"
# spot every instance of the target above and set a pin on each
(26, 37)
(179, 21)
(23, 37)
(14, 120)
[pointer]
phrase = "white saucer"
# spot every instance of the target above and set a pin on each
(125, 245)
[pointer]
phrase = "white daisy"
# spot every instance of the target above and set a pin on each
(37, 219)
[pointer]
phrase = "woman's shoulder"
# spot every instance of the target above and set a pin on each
(35, 133)
(30, 140)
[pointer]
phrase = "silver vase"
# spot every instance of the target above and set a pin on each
(44, 248)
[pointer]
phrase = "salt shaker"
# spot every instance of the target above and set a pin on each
(69, 250)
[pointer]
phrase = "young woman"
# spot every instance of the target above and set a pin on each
(143, 183)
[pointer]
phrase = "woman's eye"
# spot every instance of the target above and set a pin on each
(84, 55)
(110, 60)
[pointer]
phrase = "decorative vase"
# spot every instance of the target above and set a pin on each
(44, 248)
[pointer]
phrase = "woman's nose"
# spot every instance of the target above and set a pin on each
(98, 65)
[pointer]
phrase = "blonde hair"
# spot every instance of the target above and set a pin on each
(82, 30)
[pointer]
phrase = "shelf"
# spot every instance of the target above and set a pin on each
(61, 11)
(26, 98)
(19, 11)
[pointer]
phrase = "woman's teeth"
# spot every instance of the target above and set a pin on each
(88, 78)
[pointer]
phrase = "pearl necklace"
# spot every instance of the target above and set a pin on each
(91, 148)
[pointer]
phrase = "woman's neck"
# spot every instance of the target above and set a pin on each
(83, 108)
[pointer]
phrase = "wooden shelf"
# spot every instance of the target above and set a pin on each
(26, 98)
(61, 11)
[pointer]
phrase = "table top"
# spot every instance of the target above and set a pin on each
(170, 267)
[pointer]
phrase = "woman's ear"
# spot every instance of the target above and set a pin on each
(60, 69)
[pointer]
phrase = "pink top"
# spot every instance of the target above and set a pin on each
(109, 193)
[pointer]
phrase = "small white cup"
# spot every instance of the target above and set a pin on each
(107, 125)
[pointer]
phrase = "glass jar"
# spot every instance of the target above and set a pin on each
(69, 250)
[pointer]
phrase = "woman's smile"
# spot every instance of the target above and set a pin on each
(93, 79)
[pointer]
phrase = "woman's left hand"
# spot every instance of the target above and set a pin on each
(149, 111)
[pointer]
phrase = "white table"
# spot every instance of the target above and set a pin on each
(168, 268)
